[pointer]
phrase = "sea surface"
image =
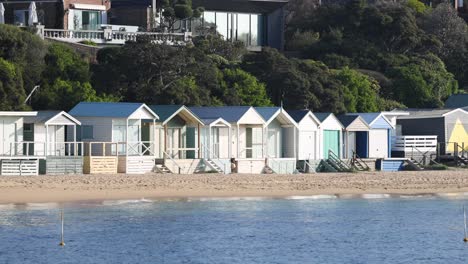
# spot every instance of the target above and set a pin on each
(320, 229)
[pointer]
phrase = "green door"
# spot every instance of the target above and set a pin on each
(190, 143)
(331, 141)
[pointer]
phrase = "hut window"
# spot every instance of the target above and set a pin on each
(28, 128)
(87, 132)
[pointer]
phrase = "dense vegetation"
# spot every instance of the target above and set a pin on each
(355, 57)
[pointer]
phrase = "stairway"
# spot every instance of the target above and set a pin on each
(415, 164)
(214, 166)
(324, 166)
(161, 168)
(463, 160)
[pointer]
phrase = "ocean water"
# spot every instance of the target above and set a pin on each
(320, 229)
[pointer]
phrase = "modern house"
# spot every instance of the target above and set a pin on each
(113, 137)
(280, 139)
(177, 138)
(255, 23)
(331, 135)
(15, 155)
(57, 130)
(449, 126)
(59, 14)
(355, 136)
(247, 132)
(379, 135)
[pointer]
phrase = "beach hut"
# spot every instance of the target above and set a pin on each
(15, 155)
(448, 127)
(280, 139)
(379, 135)
(57, 130)
(113, 136)
(247, 131)
(177, 134)
(216, 142)
(331, 135)
(355, 136)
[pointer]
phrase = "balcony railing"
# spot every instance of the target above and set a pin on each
(408, 143)
(108, 36)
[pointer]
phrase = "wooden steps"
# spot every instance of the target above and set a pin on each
(414, 164)
(161, 168)
(213, 165)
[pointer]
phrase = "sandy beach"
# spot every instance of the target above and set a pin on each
(69, 188)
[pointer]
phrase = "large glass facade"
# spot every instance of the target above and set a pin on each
(248, 28)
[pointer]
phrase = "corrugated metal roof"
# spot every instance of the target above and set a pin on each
(298, 115)
(42, 116)
(267, 112)
(457, 101)
(104, 109)
(165, 111)
(229, 113)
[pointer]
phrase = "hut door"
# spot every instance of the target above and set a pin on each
(8, 139)
(331, 141)
(272, 143)
(378, 143)
(307, 145)
(215, 136)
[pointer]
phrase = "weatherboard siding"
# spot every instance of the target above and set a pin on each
(423, 127)
(381, 123)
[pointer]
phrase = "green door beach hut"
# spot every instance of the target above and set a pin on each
(331, 134)
(177, 137)
(113, 137)
(280, 139)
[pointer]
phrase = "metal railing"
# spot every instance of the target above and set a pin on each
(406, 143)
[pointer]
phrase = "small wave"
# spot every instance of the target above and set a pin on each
(313, 197)
(120, 202)
(203, 199)
(375, 196)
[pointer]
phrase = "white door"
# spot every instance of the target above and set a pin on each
(307, 145)
(257, 142)
(173, 137)
(351, 141)
(272, 143)
(378, 143)
(224, 143)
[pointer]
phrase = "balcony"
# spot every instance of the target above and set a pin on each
(112, 37)
(411, 143)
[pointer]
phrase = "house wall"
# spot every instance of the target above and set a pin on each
(68, 11)
(102, 132)
(331, 124)
(423, 127)
(456, 129)
(132, 16)
(273, 144)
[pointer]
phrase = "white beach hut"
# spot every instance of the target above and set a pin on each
(113, 137)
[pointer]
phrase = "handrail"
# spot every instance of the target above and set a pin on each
(337, 160)
(273, 161)
(358, 159)
(310, 166)
(424, 156)
(216, 158)
(22, 148)
(173, 161)
(72, 148)
(137, 148)
(406, 142)
(104, 146)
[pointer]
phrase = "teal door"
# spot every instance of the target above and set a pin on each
(331, 141)
(190, 143)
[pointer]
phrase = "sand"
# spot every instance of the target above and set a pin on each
(68, 188)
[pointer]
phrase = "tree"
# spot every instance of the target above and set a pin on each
(422, 82)
(360, 91)
(12, 94)
(241, 88)
(65, 81)
(171, 12)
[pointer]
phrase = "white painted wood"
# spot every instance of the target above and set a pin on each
(308, 145)
(378, 143)
(251, 117)
(350, 144)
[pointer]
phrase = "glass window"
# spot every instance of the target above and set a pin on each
(28, 127)
(86, 20)
(209, 20)
(256, 30)
(243, 28)
(21, 17)
(222, 24)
